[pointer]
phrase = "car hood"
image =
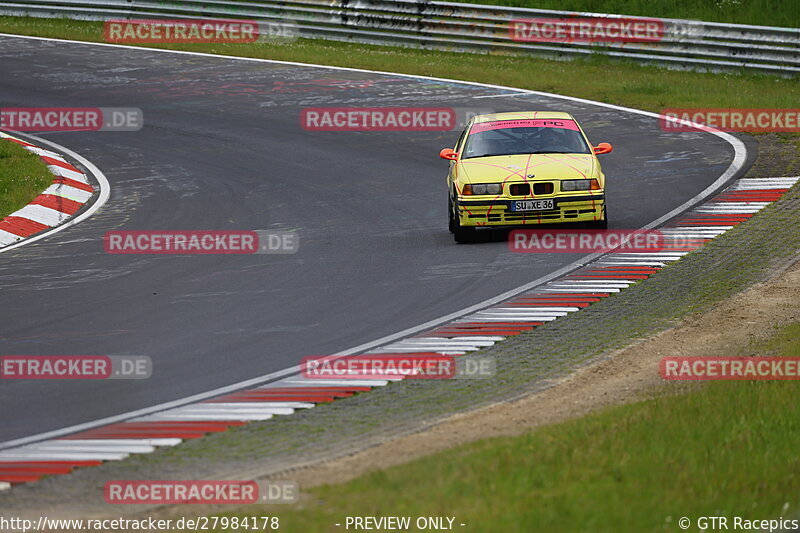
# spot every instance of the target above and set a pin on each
(519, 167)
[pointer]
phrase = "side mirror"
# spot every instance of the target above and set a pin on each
(602, 148)
(448, 153)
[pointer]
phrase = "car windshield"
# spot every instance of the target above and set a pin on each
(509, 137)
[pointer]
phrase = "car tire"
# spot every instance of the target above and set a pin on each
(451, 219)
(603, 222)
(463, 234)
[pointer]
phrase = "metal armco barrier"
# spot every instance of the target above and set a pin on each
(461, 27)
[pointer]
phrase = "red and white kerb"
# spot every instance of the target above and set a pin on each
(68, 193)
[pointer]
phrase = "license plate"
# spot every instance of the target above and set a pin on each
(531, 205)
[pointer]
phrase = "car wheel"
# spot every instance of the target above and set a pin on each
(603, 222)
(451, 219)
(463, 234)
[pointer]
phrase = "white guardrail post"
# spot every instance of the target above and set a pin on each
(461, 27)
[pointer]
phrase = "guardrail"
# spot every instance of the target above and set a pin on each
(461, 27)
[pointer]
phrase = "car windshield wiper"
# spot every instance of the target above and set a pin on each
(495, 155)
(521, 153)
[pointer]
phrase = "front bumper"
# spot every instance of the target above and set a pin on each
(576, 208)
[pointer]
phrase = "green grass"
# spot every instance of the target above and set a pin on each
(597, 78)
(23, 176)
(728, 448)
(760, 12)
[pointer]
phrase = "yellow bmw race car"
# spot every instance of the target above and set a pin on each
(524, 169)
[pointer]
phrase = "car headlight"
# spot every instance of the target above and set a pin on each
(580, 185)
(482, 188)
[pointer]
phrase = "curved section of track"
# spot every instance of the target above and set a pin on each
(222, 148)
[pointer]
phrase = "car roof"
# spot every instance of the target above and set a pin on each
(522, 115)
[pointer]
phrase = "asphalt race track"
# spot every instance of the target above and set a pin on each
(222, 149)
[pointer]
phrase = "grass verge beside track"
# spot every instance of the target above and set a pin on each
(598, 78)
(727, 446)
(23, 177)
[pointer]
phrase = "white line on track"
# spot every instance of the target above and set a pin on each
(585, 288)
(49, 455)
(557, 288)
(70, 193)
(67, 173)
(150, 442)
(534, 308)
(207, 417)
(247, 406)
(477, 338)
(506, 318)
(7, 238)
(42, 215)
(56, 446)
(303, 382)
(700, 228)
(450, 342)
